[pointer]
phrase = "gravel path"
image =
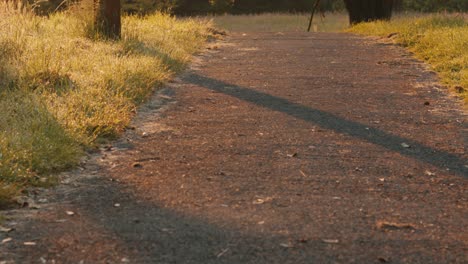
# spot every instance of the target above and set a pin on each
(273, 148)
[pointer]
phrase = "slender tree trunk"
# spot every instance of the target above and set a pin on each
(107, 15)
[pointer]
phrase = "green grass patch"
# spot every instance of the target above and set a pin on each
(441, 40)
(277, 22)
(62, 89)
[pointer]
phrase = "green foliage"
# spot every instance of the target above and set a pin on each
(436, 5)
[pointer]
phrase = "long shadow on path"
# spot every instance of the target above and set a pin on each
(438, 158)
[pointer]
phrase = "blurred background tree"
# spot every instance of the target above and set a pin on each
(201, 7)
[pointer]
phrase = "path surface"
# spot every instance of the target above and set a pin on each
(275, 148)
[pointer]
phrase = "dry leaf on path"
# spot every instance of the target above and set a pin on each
(6, 229)
(286, 245)
(394, 226)
(331, 241)
(6, 240)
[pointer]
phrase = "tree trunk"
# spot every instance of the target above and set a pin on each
(107, 18)
(368, 10)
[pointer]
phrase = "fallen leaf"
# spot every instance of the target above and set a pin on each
(259, 201)
(429, 173)
(262, 200)
(391, 35)
(137, 165)
(394, 226)
(405, 145)
(6, 229)
(383, 259)
(331, 241)
(459, 89)
(6, 240)
(222, 252)
(286, 245)
(293, 155)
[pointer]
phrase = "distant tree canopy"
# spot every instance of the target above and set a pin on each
(200, 7)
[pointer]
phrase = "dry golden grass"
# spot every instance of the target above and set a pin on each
(62, 88)
(439, 39)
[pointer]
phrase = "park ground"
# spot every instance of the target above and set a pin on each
(273, 148)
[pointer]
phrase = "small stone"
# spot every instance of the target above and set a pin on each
(137, 165)
(405, 145)
(70, 213)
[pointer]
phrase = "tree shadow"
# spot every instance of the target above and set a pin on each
(441, 159)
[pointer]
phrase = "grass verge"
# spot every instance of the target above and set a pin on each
(441, 40)
(61, 91)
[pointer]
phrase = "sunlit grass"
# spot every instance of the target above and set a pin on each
(440, 40)
(62, 89)
(329, 22)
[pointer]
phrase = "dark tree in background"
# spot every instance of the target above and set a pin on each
(187, 7)
(107, 18)
(369, 10)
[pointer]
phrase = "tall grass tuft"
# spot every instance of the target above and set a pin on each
(441, 40)
(62, 89)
